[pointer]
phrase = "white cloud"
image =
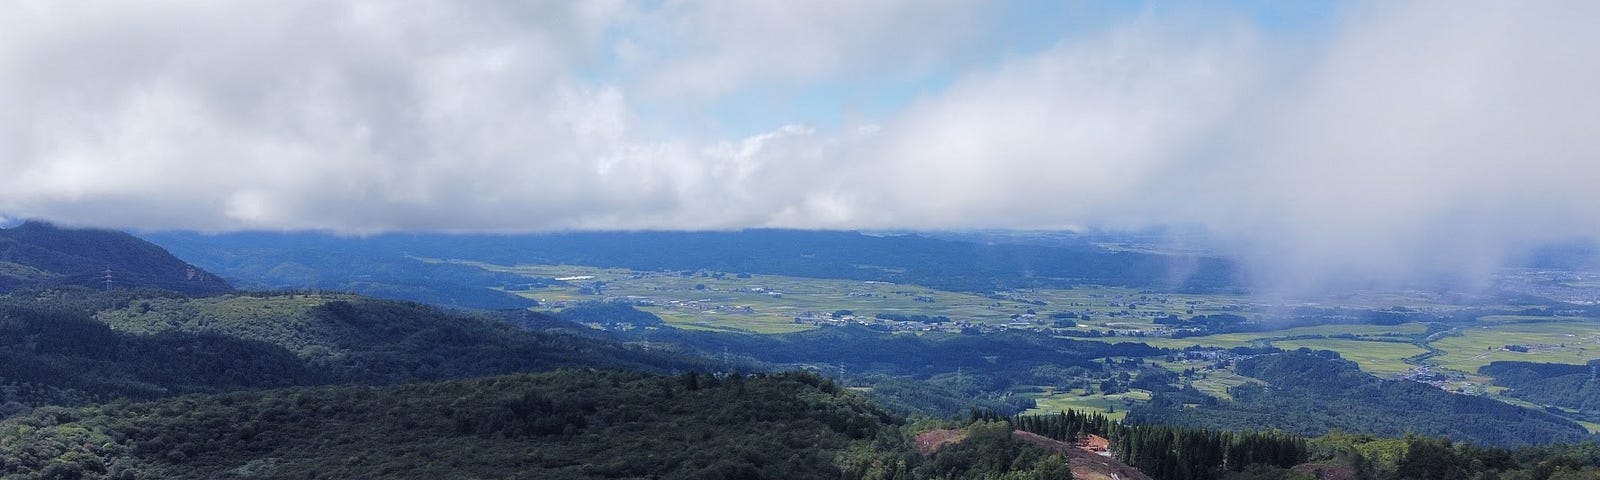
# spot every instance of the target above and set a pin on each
(1427, 136)
(360, 117)
(1409, 136)
(1076, 133)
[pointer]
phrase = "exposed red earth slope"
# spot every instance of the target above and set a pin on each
(1086, 464)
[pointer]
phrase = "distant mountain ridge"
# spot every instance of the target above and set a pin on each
(40, 254)
(259, 257)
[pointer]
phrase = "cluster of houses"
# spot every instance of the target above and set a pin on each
(823, 319)
(826, 320)
(1017, 322)
(1443, 379)
(703, 305)
(707, 306)
(1533, 347)
(1021, 321)
(1213, 358)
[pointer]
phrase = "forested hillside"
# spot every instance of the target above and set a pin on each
(913, 354)
(37, 253)
(69, 346)
(392, 275)
(930, 373)
(367, 339)
(1575, 387)
(54, 352)
(572, 424)
(1313, 393)
(157, 383)
(1175, 453)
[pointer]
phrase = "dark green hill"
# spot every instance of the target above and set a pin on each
(1312, 393)
(37, 253)
(373, 340)
(70, 346)
(931, 373)
(51, 353)
(393, 275)
(569, 424)
(1575, 387)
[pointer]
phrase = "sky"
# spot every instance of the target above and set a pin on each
(1384, 137)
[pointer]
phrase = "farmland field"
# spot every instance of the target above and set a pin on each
(1229, 340)
(727, 322)
(1113, 406)
(1552, 340)
(1384, 359)
(1217, 383)
(769, 304)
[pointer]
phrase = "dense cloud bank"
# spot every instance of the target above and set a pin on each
(1398, 137)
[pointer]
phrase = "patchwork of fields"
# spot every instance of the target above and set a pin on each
(1549, 340)
(770, 304)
